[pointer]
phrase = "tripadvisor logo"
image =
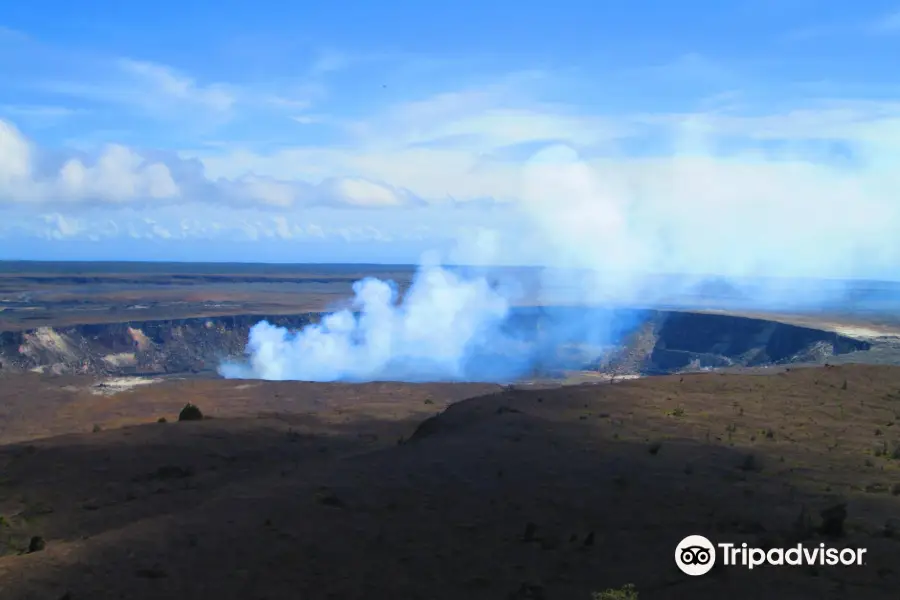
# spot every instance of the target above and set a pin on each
(696, 555)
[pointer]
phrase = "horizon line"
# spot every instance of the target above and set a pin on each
(416, 266)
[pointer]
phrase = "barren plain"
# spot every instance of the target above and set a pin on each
(754, 428)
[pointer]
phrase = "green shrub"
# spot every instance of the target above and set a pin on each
(626, 592)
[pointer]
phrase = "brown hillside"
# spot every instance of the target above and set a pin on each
(298, 490)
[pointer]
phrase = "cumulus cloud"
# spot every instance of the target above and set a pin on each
(118, 175)
(691, 179)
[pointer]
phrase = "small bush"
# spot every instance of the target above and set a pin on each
(36, 544)
(190, 413)
(626, 592)
(833, 520)
(750, 462)
(891, 528)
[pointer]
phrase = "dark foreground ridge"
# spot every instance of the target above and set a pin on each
(653, 342)
(553, 494)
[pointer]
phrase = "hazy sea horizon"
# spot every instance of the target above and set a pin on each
(234, 268)
(558, 287)
(185, 267)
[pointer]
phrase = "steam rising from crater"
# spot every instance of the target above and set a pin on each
(604, 230)
(438, 332)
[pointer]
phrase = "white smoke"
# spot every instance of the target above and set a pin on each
(443, 322)
(606, 230)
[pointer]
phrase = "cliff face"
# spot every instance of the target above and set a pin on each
(133, 348)
(685, 339)
(658, 342)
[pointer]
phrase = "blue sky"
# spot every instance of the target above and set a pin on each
(375, 131)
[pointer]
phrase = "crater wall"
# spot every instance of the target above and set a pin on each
(652, 342)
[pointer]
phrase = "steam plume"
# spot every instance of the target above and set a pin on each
(444, 323)
(605, 231)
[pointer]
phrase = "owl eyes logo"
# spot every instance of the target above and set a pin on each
(695, 555)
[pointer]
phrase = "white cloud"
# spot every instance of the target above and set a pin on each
(701, 180)
(483, 119)
(154, 83)
(314, 230)
(362, 193)
(308, 119)
(137, 88)
(147, 89)
(451, 148)
(446, 146)
(141, 88)
(264, 191)
(60, 227)
(282, 229)
(455, 147)
(296, 96)
(15, 157)
(855, 121)
(170, 224)
(119, 175)
(156, 230)
(366, 233)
